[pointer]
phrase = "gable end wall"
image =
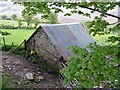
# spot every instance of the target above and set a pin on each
(41, 43)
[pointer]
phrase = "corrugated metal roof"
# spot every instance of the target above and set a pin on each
(65, 35)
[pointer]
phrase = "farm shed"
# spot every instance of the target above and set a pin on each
(50, 41)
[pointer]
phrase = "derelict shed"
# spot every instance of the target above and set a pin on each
(51, 41)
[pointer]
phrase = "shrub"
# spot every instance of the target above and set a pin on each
(8, 19)
(14, 16)
(6, 47)
(7, 26)
(4, 17)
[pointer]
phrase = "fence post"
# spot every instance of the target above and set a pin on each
(12, 44)
(4, 43)
(25, 44)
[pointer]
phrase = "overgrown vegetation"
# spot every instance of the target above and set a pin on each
(33, 57)
(20, 50)
(86, 66)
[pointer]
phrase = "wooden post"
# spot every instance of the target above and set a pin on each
(25, 44)
(4, 43)
(12, 44)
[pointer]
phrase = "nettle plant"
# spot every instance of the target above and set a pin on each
(102, 63)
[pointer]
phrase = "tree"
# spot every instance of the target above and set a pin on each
(4, 17)
(36, 21)
(102, 64)
(14, 16)
(19, 23)
(52, 17)
(28, 18)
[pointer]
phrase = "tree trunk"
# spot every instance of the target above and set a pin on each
(28, 25)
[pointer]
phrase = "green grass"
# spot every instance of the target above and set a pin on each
(103, 38)
(12, 22)
(17, 36)
(7, 83)
(15, 23)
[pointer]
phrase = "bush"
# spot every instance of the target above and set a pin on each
(4, 17)
(19, 50)
(2, 26)
(6, 47)
(7, 26)
(8, 19)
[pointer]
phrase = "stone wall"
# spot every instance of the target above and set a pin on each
(43, 46)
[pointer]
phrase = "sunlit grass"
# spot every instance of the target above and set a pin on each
(12, 22)
(17, 36)
(103, 38)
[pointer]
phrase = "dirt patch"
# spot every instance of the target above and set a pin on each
(17, 67)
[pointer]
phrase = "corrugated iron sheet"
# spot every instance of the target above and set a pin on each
(65, 35)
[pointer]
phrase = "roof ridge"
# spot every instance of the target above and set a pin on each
(59, 24)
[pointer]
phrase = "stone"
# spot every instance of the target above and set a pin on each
(29, 76)
(17, 82)
(10, 69)
(25, 66)
(38, 72)
(4, 58)
(40, 77)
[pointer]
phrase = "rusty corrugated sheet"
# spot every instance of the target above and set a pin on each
(65, 35)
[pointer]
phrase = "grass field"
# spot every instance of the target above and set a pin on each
(102, 38)
(15, 23)
(17, 36)
(11, 22)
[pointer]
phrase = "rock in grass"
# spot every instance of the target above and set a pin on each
(40, 77)
(29, 76)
